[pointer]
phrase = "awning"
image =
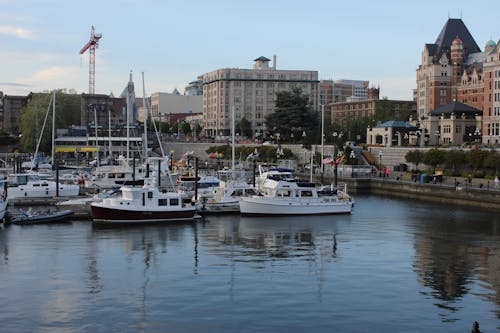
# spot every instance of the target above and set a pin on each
(65, 149)
(88, 149)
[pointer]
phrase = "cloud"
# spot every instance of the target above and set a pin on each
(17, 32)
(55, 73)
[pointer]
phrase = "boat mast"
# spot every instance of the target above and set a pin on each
(109, 133)
(146, 115)
(54, 128)
(127, 117)
(41, 133)
(232, 135)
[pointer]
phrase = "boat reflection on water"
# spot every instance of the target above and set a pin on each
(395, 265)
(268, 238)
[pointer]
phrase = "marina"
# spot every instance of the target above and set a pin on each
(392, 265)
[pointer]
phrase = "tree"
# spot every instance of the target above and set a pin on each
(414, 156)
(32, 118)
(185, 128)
(293, 115)
(476, 158)
(493, 162)
(244, 127)
(454, 160)
(433, 157)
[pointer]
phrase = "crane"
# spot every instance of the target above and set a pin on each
(91, 45)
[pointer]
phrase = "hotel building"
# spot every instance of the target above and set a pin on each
(252, 92)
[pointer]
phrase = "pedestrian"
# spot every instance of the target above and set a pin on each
(387, 172)
(469, 179)
(475, 327)
(496, 181)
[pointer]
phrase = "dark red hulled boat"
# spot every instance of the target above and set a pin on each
(142, 205)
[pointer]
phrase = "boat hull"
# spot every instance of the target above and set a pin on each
(261, 206)
(54, 217)
(43, 192)
(219, 208)
(111, 215)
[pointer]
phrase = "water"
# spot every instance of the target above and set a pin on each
(391, 266)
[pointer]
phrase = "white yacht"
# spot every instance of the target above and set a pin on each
(22, 185)
(282, 197)
(225, 198)
(114, 176)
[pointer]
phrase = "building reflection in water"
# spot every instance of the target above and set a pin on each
(452, 250)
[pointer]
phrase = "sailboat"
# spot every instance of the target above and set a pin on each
(30, 185)
(113, 176)
(226, 197)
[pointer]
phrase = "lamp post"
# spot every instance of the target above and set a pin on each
(477, 135)
(279, 152)
(254, 158)
(336, 163)
(380, 163)
(352, 156)
(438, 136)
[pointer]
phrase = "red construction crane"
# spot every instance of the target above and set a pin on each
(92, 44)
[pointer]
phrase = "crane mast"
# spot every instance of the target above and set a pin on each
(91, 45)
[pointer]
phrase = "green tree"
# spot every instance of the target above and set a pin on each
(414, 156)
(492, 162)
(476, 158)
(433, 157)
(292, 114)
(244, 127)
(454, 160)
(185, 128)
(32, 118)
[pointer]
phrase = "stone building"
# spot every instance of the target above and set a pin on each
(455, 69)
(10, 111)
(252, 92)
(340, 112)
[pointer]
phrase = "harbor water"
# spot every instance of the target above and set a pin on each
(390, 266)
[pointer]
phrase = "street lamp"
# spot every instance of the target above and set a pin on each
(254, 158)
(337, 161)
(380, 163)
(352, 155)
(477, 134)
(279, 152)
(438, 136)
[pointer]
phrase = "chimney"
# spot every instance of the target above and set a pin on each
(274, 61)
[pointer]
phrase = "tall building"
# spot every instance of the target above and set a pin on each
(442, 66)
(338, 91)
(194, 88)
(454, 68)
(169, 106)
(491, 114)
(10, 111)
(252, 92)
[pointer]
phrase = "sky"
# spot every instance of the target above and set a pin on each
(173, 42)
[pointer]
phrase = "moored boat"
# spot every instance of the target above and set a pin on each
(280, 197)
(225, 198)
(142, 205)
(34, 217)
(23, 185)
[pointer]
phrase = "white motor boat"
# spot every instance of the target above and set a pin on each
(225, 198)
(122, 174)
(142, 205)
(22, 185)
(281, 197)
